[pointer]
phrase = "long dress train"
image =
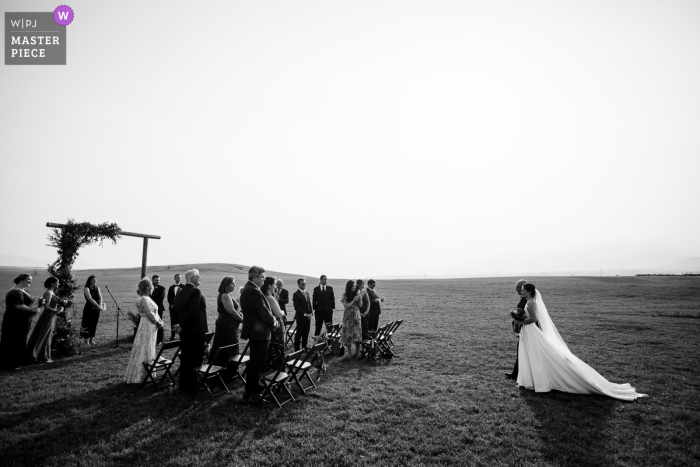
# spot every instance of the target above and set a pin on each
(546, 363)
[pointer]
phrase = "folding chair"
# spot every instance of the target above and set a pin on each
(239, 361)
(303, 366)
(392, 331)
(334, 335)
(289, 332)
(275, 381)
(208, 372)
(207, 340)
(370, 348)
(381, 341)
(161, 363)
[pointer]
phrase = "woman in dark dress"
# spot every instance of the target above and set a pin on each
(91, 312)
(19, 312)
(228, 322)
(39, 345)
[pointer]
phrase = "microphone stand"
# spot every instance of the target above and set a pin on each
(119, 311)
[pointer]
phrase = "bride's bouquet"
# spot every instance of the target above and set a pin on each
(519, 314)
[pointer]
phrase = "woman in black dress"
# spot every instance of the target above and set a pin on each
(228, 322)
(91, 312)
(19, 312)
(39, 345)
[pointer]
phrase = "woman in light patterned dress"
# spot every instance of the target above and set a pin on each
(144, 349)
(352, 325)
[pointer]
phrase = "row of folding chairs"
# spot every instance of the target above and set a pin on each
(209, 375)
(381, 343)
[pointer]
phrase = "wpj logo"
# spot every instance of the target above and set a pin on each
(37, 38)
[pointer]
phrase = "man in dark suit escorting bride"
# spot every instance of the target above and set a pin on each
(521, 305)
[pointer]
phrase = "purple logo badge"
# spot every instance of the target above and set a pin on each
(63, 15)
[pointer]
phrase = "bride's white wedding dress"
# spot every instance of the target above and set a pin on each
(546, 363)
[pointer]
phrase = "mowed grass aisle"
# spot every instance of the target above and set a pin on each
(442, 401)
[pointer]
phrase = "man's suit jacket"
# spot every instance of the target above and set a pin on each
(302, 306)
(191, 311)
(374, 308)
(283, 299)
(158, 295)
(323, 301)
(258, 320)
(171, 293)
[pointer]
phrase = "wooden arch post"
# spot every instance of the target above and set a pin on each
(126, 234)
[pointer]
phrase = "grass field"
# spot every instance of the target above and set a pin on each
(443, 400)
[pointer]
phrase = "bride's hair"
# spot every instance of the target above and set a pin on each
(530, 288)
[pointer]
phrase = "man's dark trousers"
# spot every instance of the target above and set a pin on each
(191, 357)
(302, 334)
(258, 353)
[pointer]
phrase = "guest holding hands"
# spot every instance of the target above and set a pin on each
(282, 296)
(19, 312)
(375, 308)
(91, 312)
(228, 322)
(268, 289)
(172, 293)
(352, 327)
(39, 345)
(364, 308)
(144, 349)
(303, 312)
(158, 295)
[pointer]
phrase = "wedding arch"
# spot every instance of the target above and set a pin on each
(68, 238)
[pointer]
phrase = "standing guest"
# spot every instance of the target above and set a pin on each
(304, 312)
(191, 312)
(282, 297)
(258, 324)
(39, 345)
(352, 327)
(144, 349)
(172, 293)
(158, 295)
(228, 322)
(374, 306)
(323, 304)
(364, 307)
(19, 312)
(521, 304)
(91, 312)
(268, 289)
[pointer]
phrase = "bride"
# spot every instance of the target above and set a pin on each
(546, 362)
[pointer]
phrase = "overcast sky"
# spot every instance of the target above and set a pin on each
(359, 138)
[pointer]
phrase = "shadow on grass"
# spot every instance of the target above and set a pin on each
(573, 429)
(124, 424)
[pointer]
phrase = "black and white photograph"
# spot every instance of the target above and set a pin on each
(350, 233)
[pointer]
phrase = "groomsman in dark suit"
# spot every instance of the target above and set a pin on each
(158, 295)
(521, 304)
(172, 292)
(304, 312)
(282, 296)
(191, 312)
(258, 324)
(375, 308)
(323, 304)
